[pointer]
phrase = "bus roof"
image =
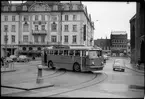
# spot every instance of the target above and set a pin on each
(74, 47)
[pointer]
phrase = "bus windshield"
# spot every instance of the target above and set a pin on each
(94, 54)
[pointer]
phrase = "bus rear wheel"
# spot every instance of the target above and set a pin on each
(50, 65)
(76, 67)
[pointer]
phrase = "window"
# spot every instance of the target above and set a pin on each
(74, 17)
(53, 26)
(6, 18)
(54, 18)
(13, 38)
(55, 7)
(36, 27)
(25, 27)
(25, 38)
(42, 39)
(36, 17)
(74, 7)
(42, 27)
(25, 8)
(5, 28)
(39, 48)
(66, 52)
(66, 28)
(36, 39)
(53, 38)
(13, 8)
(55, 52)
(30, 48)
(26, 18)
(6, 8)
(24, 48)
(13, 18)
(74, 28)
(66, 39)
(43, 17)
(74, 39)
(5, 38)
(13, 28)
(66, 17)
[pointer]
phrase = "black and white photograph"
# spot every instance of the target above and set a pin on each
(73, 49)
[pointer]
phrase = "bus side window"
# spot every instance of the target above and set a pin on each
(66, 52)
(84, 53)
(48, 52)
(60, 52)
(71, 52)
(77, 53)
(55, 52)
(51, 52)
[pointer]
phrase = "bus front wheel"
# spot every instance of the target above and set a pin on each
(50, 65)
(76, 67)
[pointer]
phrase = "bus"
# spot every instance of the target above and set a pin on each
(76, 58)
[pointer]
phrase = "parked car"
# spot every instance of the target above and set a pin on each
(23, 58)
(119, 65)
(13, 57)
(8, 59)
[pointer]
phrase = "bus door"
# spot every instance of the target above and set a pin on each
(45, 57)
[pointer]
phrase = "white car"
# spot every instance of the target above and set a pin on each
(23, 58)
(106, 57)
(13, 57)
(119, 65)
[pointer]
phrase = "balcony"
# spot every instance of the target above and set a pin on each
(39, 22)
(39, 32)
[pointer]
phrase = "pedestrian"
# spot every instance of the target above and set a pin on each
(2, 61)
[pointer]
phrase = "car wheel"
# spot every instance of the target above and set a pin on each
(50, 65)
(76, 67)
(113, 69)
(123, 70)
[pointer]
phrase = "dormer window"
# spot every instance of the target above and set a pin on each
(6, 8)
(74, 7)
(55, 7)
(13, 8)
(24, 8)
(67, 7)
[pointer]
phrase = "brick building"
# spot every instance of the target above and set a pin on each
(104, 44)
(137, 31)
(118, 43)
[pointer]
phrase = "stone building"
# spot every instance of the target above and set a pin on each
(35, 24)
(137, 30)
(118, 43)
(104, 44)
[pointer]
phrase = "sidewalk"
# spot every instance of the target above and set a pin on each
(7, 69)
(134, 67)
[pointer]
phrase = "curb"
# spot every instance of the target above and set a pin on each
(135, 70)
(27, 88)
(8, 71)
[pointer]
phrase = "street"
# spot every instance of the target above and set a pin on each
(106, 83)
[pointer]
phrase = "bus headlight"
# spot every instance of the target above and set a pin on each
(102, 63)
(92, 63)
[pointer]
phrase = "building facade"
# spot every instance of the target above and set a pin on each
(104, 44)
(118, 43)
(137, 31)
(36, 24)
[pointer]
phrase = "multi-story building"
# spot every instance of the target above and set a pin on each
(137, 35)
(104, 44)
(118, 42)
(128, 48)
(35, 24)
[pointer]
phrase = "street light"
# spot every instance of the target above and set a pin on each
(6, 39)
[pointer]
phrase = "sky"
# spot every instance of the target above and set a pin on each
(110, 16)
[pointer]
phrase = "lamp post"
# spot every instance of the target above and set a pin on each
(6, 39)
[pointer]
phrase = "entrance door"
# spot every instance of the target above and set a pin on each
(142, 52)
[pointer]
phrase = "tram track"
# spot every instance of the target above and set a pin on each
(57, 73)
(82, 85)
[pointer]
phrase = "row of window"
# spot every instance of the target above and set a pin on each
(53, 28)
(42, 8)
(66, 52)
(30, 48)
(6, 18)
(119, 41)
(53, 39)
(13, 40)
(54, 18)
(123, 46)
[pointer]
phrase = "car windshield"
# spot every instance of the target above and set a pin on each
(22, 56)
(118, 61)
